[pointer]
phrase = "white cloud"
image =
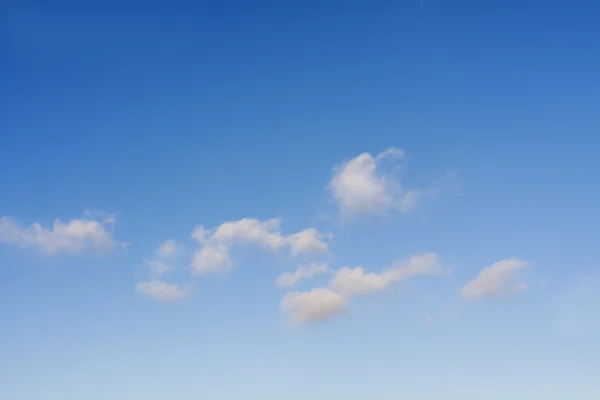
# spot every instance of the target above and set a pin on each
(421, 264)
(318, 305)
(360, 186)
(355, 281)
(494, 280)
(306, 272)
(74, 236)
(321, 304)
(168, 248)
(307, 241)
(251, 231)
(211, 258)
(213, 255)
(162, 291)
(356, 186)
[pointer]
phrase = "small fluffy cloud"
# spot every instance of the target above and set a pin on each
(251, 231)
(75, 236)
(318, 305)
(421, 264)
(213, 255)
(162, 291)
(355, 281)
(360, 186)
(356, 186)
(211, 258)
(308, 241)
(495, 280)
(306, 272)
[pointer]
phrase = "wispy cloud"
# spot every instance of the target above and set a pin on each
(163, 291)
(168, 248)
(495, 280)
(289, 279)
(321, 304)
(74, 236)
(356, 281)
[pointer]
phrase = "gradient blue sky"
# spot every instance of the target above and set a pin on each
(168, 116)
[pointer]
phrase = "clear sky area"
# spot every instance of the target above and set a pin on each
(268, 200)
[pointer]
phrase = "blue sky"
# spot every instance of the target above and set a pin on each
(269, 200)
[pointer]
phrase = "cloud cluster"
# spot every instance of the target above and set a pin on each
(321, 304)
(365, 184)
(75, 236)
(212, 254)
(162, 262)
(215, 244)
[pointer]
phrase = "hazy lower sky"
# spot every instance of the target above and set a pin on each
(299, 200)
